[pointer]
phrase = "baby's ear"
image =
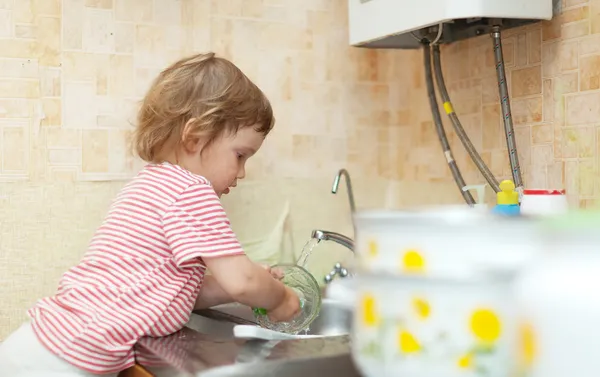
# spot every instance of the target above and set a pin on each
(192, 144)
(191, 140)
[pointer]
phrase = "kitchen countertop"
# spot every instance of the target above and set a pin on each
(191, 353)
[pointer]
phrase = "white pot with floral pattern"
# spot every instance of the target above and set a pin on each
(447, 238)
(434, 326)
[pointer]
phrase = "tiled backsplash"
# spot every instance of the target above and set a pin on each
(71, 72)
(551, 69)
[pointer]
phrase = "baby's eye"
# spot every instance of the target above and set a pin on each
(240, 156)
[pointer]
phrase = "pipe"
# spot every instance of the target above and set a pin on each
(460, 131)
(507, 115)
(336, 184)
(437, 120)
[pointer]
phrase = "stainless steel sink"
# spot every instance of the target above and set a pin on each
(320, 356)
(334, 319)
(340, 365)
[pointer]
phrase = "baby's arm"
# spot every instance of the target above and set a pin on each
(196, 226)
(211, 294)
(246, 282)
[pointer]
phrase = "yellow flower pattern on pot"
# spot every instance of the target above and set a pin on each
(421, 307)
(372, 249)
(527, 346)
(407, 342)
(413, 261)
(369, 311)
(465, 361)
(485, 325)
(460, 336)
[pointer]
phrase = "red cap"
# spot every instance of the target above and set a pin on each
(543, 192)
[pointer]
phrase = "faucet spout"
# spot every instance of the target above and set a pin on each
(323, 235)
(336, 184)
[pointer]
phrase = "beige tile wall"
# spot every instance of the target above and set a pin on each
(71, 72)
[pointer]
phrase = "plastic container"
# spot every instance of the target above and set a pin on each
(537, 202)
(309, 293)
(507, 200)
(480, 190)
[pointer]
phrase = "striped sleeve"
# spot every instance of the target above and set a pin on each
(196, 226)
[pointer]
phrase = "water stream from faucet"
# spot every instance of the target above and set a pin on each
(307, 251)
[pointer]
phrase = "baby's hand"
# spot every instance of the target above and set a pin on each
(275, 272)
(287, 309)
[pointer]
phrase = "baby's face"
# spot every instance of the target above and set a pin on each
(223, 162)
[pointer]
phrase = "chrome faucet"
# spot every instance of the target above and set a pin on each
(338, 269)
(336, 184)
(323, 235)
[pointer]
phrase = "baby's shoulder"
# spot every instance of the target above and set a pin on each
(171, 175)
(161, 186)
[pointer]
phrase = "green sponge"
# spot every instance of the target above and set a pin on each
(263, 311)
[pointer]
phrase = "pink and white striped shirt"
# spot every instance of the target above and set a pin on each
(142, 272)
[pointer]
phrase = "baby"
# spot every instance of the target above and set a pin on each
(145, 269)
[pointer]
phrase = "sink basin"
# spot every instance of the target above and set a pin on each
(340, 365)
(334, 319)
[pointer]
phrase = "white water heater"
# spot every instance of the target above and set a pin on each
(389, 23)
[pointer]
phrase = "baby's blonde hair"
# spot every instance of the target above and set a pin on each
(212, 91)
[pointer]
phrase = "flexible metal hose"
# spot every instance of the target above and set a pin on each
(460, 131)
(507, 115)
(439, 127)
